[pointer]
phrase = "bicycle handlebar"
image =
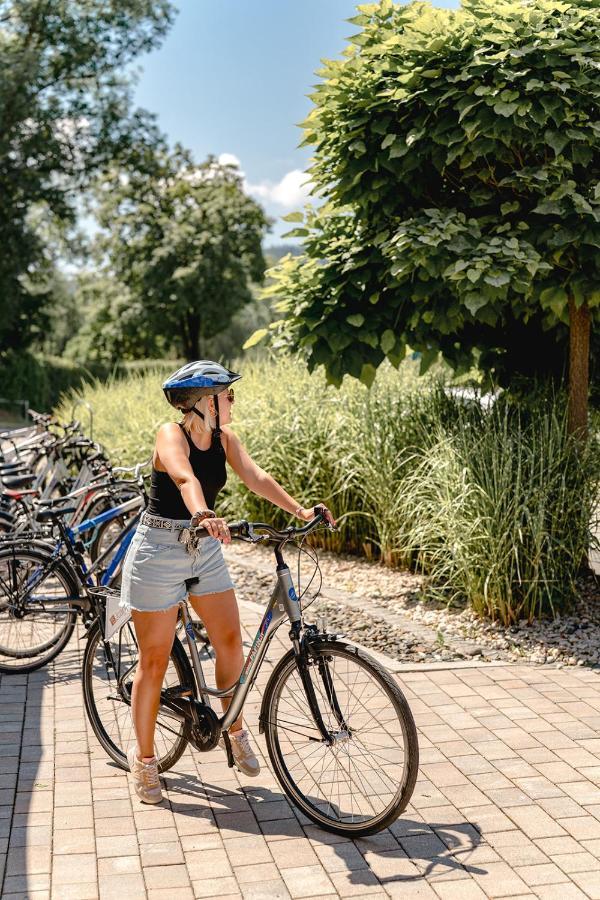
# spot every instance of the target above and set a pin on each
(245, 530)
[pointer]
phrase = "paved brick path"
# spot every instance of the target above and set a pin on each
(507, 805)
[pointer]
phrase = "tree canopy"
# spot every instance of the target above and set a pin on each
(459, 155)
(185, 242)
(65, 113)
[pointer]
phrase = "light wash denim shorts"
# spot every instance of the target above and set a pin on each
(158, 572)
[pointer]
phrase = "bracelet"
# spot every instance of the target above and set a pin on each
(202, 514)
(297, 510)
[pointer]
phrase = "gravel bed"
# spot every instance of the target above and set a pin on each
(384, 609)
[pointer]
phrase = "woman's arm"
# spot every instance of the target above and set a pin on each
(259, 481)
(172, 453)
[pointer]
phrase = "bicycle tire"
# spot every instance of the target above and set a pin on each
(29, 659)
(286, 668)
(116, 752)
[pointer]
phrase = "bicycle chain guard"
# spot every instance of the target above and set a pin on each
(204, 730)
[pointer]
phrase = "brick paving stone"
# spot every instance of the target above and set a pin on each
(341, 857)
(215, 887)
(73, 868)
(293, 853)
(534, 822)
(199, 862)
(577, 862)
(266, 890)
(89, 891)
(547, 873)
(166, 876)
(582, 827)
(254, 873)
(73, 840)
(499, 880)
(130, 886)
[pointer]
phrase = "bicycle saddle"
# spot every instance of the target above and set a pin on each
(18, 481)
(11, 468)
(54, 512)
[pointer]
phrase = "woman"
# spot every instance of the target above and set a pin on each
(188, 471)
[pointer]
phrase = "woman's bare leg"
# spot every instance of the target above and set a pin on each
(154, 632)
(220, 616)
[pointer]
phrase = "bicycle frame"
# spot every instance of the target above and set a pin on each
(124, 537)
(71, 535)
(283, 604)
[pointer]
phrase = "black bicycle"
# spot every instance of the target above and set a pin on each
(339, 731)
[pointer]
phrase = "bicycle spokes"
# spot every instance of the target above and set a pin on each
(357, 773)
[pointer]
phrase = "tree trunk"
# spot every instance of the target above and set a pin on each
(191, 334)
(579, 365)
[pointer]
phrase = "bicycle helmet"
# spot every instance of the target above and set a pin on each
(198, 379)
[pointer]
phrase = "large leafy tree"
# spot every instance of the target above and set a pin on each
(185, 241)
(459, 154)
(65, 113)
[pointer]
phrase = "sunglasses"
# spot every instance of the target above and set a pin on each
(230, 395)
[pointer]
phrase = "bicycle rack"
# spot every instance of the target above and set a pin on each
(90, 409)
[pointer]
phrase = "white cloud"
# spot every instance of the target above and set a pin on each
(229, 159)
(292, 191)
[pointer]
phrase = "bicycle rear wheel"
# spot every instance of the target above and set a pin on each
(108, 703)
(37, 615)
(361, 779)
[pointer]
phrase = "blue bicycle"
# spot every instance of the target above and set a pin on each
(46, 584)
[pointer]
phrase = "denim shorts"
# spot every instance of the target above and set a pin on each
(158, 572)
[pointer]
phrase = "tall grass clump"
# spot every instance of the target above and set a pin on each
(496, 509)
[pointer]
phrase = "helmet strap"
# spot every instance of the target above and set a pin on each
(194, 410)
(217, 431)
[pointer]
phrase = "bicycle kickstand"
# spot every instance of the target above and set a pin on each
(230, 761)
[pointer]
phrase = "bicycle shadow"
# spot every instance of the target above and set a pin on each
(409, 851)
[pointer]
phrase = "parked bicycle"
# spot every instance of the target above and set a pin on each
(45, 584)
(339, 732)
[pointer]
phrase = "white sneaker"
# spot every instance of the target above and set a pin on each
(243, 754)
(145, 777)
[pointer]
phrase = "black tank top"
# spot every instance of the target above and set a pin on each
(209, 468)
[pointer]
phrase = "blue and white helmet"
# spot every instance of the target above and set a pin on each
(197, 379)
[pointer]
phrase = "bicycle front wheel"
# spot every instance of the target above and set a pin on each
(107, 687)
(358, 780)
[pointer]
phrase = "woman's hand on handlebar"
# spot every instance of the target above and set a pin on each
(217, 528)
(311, 512)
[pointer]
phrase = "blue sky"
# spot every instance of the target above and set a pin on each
(232, 78)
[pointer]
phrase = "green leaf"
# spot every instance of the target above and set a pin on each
(255, 338)
(557, 141)
(357, 319)
(388, 340)
(505, 109)
(556, 299)
(294, 217)
(367, 374)
(475, 302)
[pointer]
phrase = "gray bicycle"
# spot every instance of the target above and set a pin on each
(339, 732)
